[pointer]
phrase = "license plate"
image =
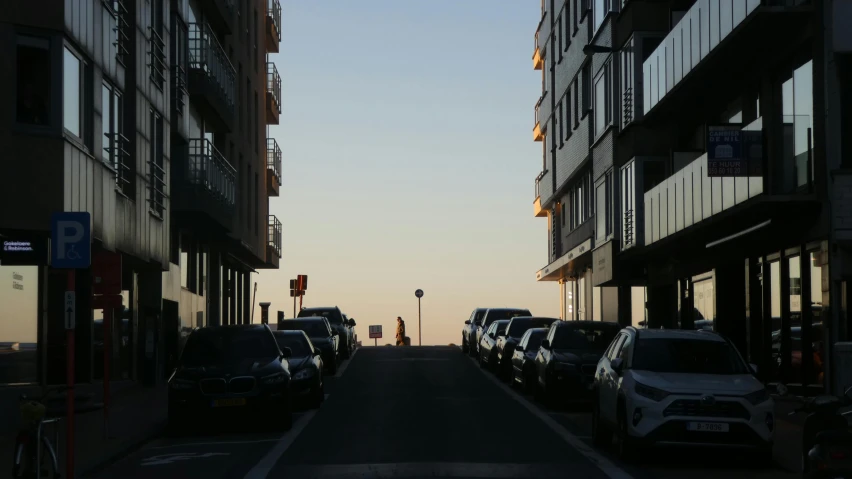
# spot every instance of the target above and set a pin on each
(708, 426)
(228, 402)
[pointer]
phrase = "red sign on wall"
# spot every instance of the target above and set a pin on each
(106, 273)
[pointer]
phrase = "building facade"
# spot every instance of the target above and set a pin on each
(650, 220)
(136, 113)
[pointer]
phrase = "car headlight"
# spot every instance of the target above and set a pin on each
(758, 397)
(276, 378)
(566, 367)
(651, 393)
(303, 374)
(181, 384)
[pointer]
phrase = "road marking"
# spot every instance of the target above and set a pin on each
(605, 465)
(262, 468)
(170, 458)
(421, 470)
(346, 364)
(220, 443)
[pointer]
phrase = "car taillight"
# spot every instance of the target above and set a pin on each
(837, 455)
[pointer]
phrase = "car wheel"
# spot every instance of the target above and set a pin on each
(601, 436)
(465, 349)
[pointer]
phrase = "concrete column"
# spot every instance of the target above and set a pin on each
(662, 306)
(755, 342)
(625, 305)
(729, 290)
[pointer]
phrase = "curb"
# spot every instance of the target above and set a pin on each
(99, 465)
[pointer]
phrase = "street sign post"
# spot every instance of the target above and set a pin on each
(376, 333)
(71, 249)
(419, 294)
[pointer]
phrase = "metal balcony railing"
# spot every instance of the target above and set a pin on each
(157, 182)
(208, 169)
(118, 152)
(179, 88)
(180, 37)
(274, 234)
(121, 39)
(627, 106)
(273, 84)
(208, 56)
(273, 157)
(629, 229)
(273, 9)
(538, 110)
(157, 58)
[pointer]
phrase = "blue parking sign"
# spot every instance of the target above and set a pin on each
(70, 240)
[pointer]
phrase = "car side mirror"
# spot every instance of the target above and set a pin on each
(753, 367)
(782, 389)
(352, 323)
(545, 344)
(286, 353)
(466, 321)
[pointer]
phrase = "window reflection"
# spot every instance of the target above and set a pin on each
(775, 306)
(797, 111)
(795, 274)
(121, 341)
(704, 302)
(18, 324)
(818, 309)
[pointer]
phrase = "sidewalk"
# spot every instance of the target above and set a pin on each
(788, 433)
(137, 414)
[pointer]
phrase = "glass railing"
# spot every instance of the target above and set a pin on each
(208, 56)
(690, 196)
(700, 30)
(210, 170)
(274, 234)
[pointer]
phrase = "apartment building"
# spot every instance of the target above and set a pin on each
(691, 152)
(152, 116)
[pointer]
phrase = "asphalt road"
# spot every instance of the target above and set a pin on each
(411, 412)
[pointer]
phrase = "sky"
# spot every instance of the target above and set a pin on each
(408, 162)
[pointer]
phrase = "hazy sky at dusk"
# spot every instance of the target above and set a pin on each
(409, 163)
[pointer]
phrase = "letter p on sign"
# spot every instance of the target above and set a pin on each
(71, 240)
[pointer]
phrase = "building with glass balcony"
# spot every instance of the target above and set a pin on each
(151, 116)
(689, 171)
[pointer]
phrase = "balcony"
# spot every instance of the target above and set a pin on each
(716, 40)
(220, 14)
(537, 209)
(212, 79)
(537, 133)
(204, 185)
(273, 167)
(273, 244)
(538, 60)
(273, 26)
(273, 94)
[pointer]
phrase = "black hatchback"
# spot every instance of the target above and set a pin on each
(231, 370)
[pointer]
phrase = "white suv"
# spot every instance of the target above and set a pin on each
(657, 387)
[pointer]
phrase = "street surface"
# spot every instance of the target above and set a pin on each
(417, 412)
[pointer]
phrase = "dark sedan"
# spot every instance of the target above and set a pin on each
(469, 330)
(494, 314)
(506, 344)
(488, 344)
(339, 323)
(321, 335)
(568, 357)
(231, 370)
(523, 358)
(305, 366)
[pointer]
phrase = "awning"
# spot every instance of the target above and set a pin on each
(564, 265)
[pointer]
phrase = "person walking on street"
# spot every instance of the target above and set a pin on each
(400, 331)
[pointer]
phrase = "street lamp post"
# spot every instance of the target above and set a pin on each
(419, 294)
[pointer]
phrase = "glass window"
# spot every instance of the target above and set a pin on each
(599, 13)
(600, 220)
(184, 262)
(775, 311)
(704, 302)
(71, 92)
(581, 298)
(19, 328)
(313, 328)
(796, 295)
(603, 113)
(297, 343)
(597, 337)
(597, 304)
(518, 327)
(106, 122)
(690, 356)
(637, 306)
(535, 338)
(228, 347)
(587, 87)
(819, 312)
(33, 80)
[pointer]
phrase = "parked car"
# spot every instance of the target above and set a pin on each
(306, 366)
(523, 358)
(322, 336)
(230, 369)
(468, 341)
(494, 314)
(488, 344)
(339, 323)
(679, 387)
(514, 331)
(568, 357)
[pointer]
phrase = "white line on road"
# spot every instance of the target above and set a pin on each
(262, 468)
(346, 364)
(605, 465)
